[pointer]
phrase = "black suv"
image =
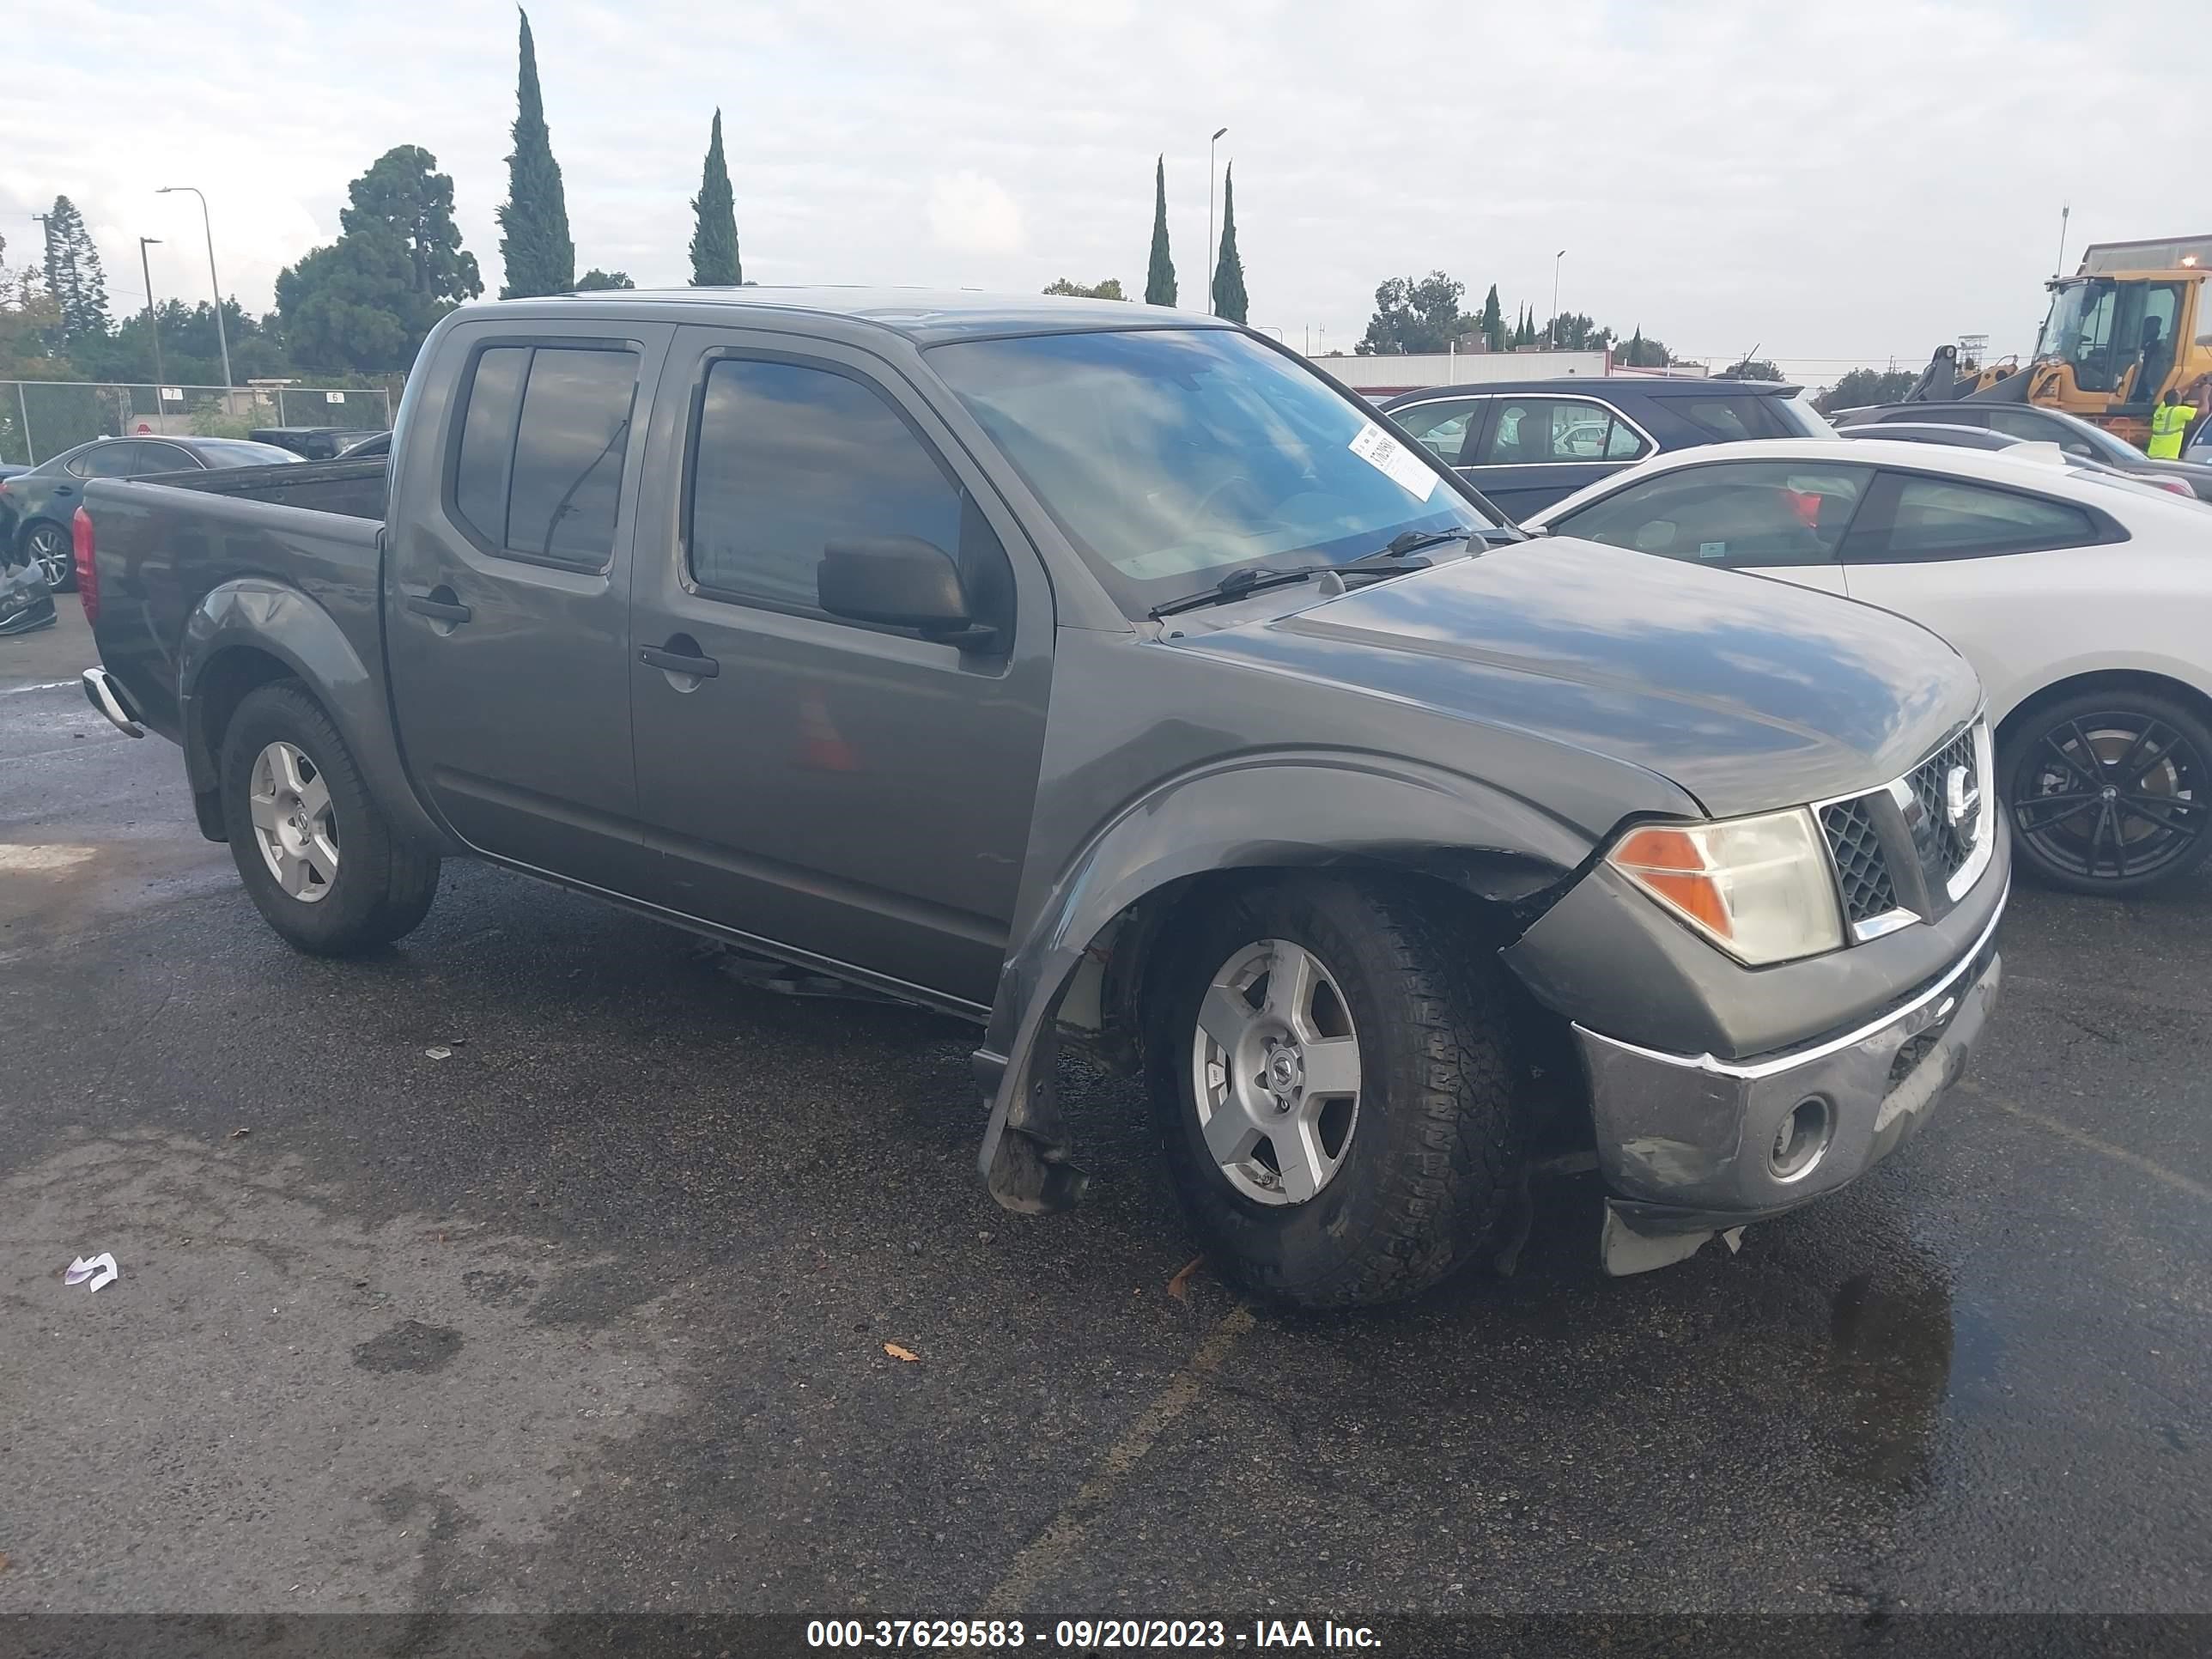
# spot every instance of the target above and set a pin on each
(1526, 444)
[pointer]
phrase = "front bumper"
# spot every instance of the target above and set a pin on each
(1687, 1145)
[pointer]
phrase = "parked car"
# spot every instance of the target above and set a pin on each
(1975, 437)
(35, 506)
(26, 602)
(376, 444)
(2199, 453)
(1526, 444)
(2069, 432)
(12, 470)
(1103, 676)
(2081, 597)
(312, 443)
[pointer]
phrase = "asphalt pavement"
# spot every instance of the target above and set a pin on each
(539, 1264)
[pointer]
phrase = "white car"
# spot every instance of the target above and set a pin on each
(2084, 602)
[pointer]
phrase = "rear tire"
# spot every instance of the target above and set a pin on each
(2110, 793)
(1372, 1197)
(318, 855)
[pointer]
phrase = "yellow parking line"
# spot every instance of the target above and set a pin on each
(2173, 1178)
(1050, 1550)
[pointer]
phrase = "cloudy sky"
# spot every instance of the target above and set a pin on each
(1832, 183)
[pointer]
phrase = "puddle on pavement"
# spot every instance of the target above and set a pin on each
(1904, 1362)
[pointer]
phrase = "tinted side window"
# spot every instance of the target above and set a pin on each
(544, 440)
(1755, 514)
(108, 460)
(1439, 428)
(1536, 431)
(2027, 424)
(1941, 519)
(1733, 419)
(790, 459)
(163, 458)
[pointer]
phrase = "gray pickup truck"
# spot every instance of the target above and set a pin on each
(1107, 676)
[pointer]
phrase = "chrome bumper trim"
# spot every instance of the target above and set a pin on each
(101, 691)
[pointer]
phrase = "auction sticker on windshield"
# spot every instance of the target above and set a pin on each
(1391, 458)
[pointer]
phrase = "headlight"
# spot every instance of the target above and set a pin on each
(1759, 887)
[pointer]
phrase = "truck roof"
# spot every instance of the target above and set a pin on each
(926, 316)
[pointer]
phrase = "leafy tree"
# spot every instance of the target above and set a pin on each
(190, 353)
(595, 278)
(1229, 297)
(533, 221)
(74, 276)
(1493, 321)
(1863, 387)
(1640, 353)
(1571, 330)
(714, 258)
(1414, 316)
(1108, 289)
(1754, 368)
(368, 300)
(1159, 276)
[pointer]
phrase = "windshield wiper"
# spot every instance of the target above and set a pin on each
(1402, 554)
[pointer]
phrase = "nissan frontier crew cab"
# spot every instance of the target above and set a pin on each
(1108, 676)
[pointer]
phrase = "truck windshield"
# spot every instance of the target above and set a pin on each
(1168, 454)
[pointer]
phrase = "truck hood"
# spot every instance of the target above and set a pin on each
(1747, 693)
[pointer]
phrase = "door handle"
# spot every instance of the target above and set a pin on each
(437, 610)
(676, 662)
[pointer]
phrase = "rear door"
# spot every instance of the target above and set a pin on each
(508, 594)
(850, 792)
(1779, 519)
(1535, 450)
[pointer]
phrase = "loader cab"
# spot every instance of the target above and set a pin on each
(2111, 343)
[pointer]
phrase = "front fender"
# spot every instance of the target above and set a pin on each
(1311, 809)
(253, 613)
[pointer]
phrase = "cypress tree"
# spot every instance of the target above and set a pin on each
(1160, 279)
(714, 261)
(1228, 299)
(1493, 321)
(533, 221)
(74, 276)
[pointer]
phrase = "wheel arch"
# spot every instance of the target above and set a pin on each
(1081, 962)
(250, 632)
(2145, 681)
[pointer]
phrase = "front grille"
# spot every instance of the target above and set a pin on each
(1862, 872)
(1943, 846)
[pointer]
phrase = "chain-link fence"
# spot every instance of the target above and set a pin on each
(42, 418)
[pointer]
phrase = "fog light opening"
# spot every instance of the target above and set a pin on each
(1800, 1139)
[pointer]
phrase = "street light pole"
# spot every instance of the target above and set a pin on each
(1213, 258)
(1554, 330)
(152, 328)
(222, 336)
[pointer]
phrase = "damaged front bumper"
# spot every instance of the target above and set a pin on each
(1691, 1146)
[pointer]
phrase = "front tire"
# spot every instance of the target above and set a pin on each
(316, 853)
(1329, 1069)
(2110, 793)
(47, 545)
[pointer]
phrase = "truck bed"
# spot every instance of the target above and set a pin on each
(358, 489)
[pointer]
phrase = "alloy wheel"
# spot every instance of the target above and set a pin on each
(2112, 795)
(1275, 1064)
(293, 822)
(51, 549)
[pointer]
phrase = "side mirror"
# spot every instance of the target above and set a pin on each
(899, 581)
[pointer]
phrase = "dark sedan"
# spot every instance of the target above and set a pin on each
(1526, 444)
(2032, 425)
(35, 506)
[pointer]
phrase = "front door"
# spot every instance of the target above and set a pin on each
(508, 598)
(849, 793)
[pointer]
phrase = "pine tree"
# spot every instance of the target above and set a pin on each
(74, 276)
(1229, 297)
(533, 221)
(1160, 279)
(714, 261)
(1493, 321)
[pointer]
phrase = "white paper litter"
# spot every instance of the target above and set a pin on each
(91, 1272)
(1387, 456)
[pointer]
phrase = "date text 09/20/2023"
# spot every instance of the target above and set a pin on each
(1084, 1635)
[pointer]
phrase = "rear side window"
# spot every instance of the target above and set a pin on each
(1733, 419)
(109, 460)
(1758, 514)
(1538, 431)
(789, 459)
(543, 438)
(1942, 519)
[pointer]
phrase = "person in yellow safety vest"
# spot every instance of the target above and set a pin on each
(2167, 422)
